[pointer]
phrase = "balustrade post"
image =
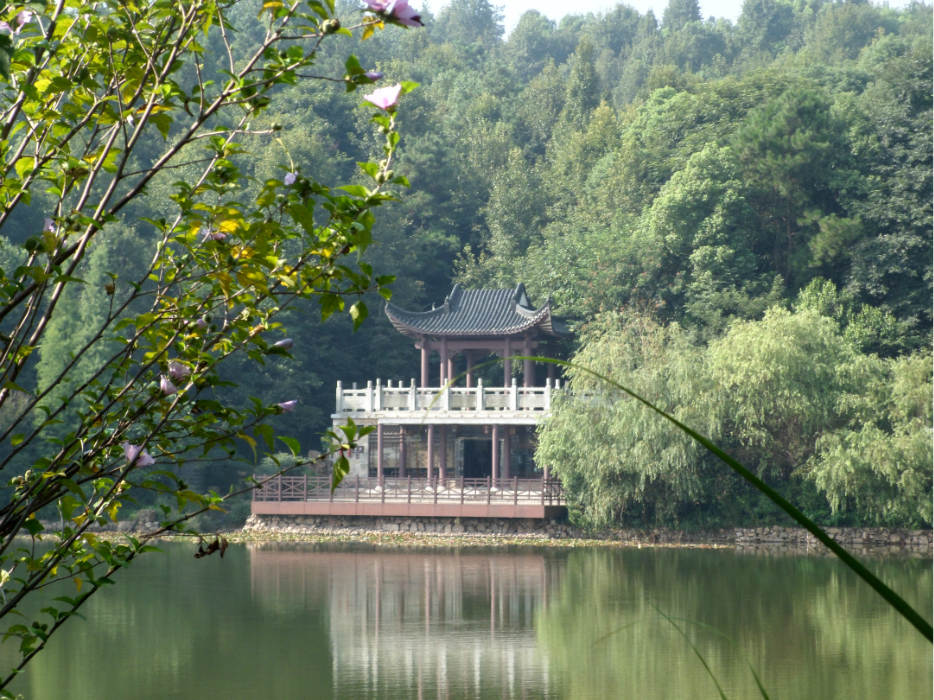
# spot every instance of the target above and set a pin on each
(279, 488)
(548, 395)
(431, 452)
(339, 399)
(479, 393)
(356, 495)
(413, 406)
(379, 450)
(462, 490)
(514, 396)
(495, 444)
(489, 490)
(382, 489)
(378, 395)
(409, 498)
(543, 489)
(305, 487)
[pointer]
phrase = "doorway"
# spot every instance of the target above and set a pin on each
(478, 458)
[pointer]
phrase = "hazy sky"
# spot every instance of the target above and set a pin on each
(556, 9)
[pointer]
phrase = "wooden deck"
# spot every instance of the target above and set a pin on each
(408, 497)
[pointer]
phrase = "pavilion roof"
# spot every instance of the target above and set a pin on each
(478, 312)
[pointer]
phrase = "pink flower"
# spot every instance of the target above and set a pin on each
(133, 456)
(167, 387)
(385, 98)
(214, 235)
(289, 179)
(21, 19)
(397, 10)
(287, 406)
(284, 344)
(49, 225)
(202, 323)
(406, 15)
(374, 75)
(178, 371)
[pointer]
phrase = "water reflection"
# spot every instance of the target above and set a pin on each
(357, 623)
(422, 624)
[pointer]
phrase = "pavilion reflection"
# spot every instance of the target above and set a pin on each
(419, 624)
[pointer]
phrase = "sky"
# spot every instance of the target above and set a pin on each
(556, 9)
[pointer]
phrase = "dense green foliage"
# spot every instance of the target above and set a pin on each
(790, 395)
(700, 171)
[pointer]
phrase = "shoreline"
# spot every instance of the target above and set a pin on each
(640, 540)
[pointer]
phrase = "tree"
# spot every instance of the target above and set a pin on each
(97, 108)
(678, 13)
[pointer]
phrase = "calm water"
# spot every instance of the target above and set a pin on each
(286, 622)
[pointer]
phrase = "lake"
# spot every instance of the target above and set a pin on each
(352, 621)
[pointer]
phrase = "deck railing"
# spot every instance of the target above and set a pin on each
(411, 490)
(377, 398)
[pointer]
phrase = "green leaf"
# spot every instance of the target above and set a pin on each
(408, 86)
(17, 439)
(24, 166)
(355, 190)
(353, 66)
(292, 444)
(341, 469)
(358, 312)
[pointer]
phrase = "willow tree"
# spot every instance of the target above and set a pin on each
(97, 101)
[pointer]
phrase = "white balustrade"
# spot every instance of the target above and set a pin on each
(381, 398)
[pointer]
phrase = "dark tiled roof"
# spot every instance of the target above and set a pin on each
(478, 312)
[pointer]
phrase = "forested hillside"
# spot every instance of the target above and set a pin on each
(685, 187)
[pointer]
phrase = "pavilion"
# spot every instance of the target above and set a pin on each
(449, 446)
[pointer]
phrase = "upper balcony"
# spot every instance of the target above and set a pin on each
(402, 405)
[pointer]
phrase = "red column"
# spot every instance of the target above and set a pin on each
(507, 364)
(469, 355)
(443, 453)
(528, 371)
(507, 445)
(450, 367)
(379, 451)
(431, 449)
(444, 361)
(401, 450)
(495, 469)
(425, 354)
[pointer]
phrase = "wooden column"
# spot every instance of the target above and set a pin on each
(495, 469)
(469, 356)
(443, 365)
(431, 450)
(425, 354)
(507, 364)
(528, 370)
(443, 452)
(401, 451)
(379, 452)
(507, 445)
(451, 367)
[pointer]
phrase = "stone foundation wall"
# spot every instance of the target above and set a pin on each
(849, 537)
(742, 538)
(338, 525)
